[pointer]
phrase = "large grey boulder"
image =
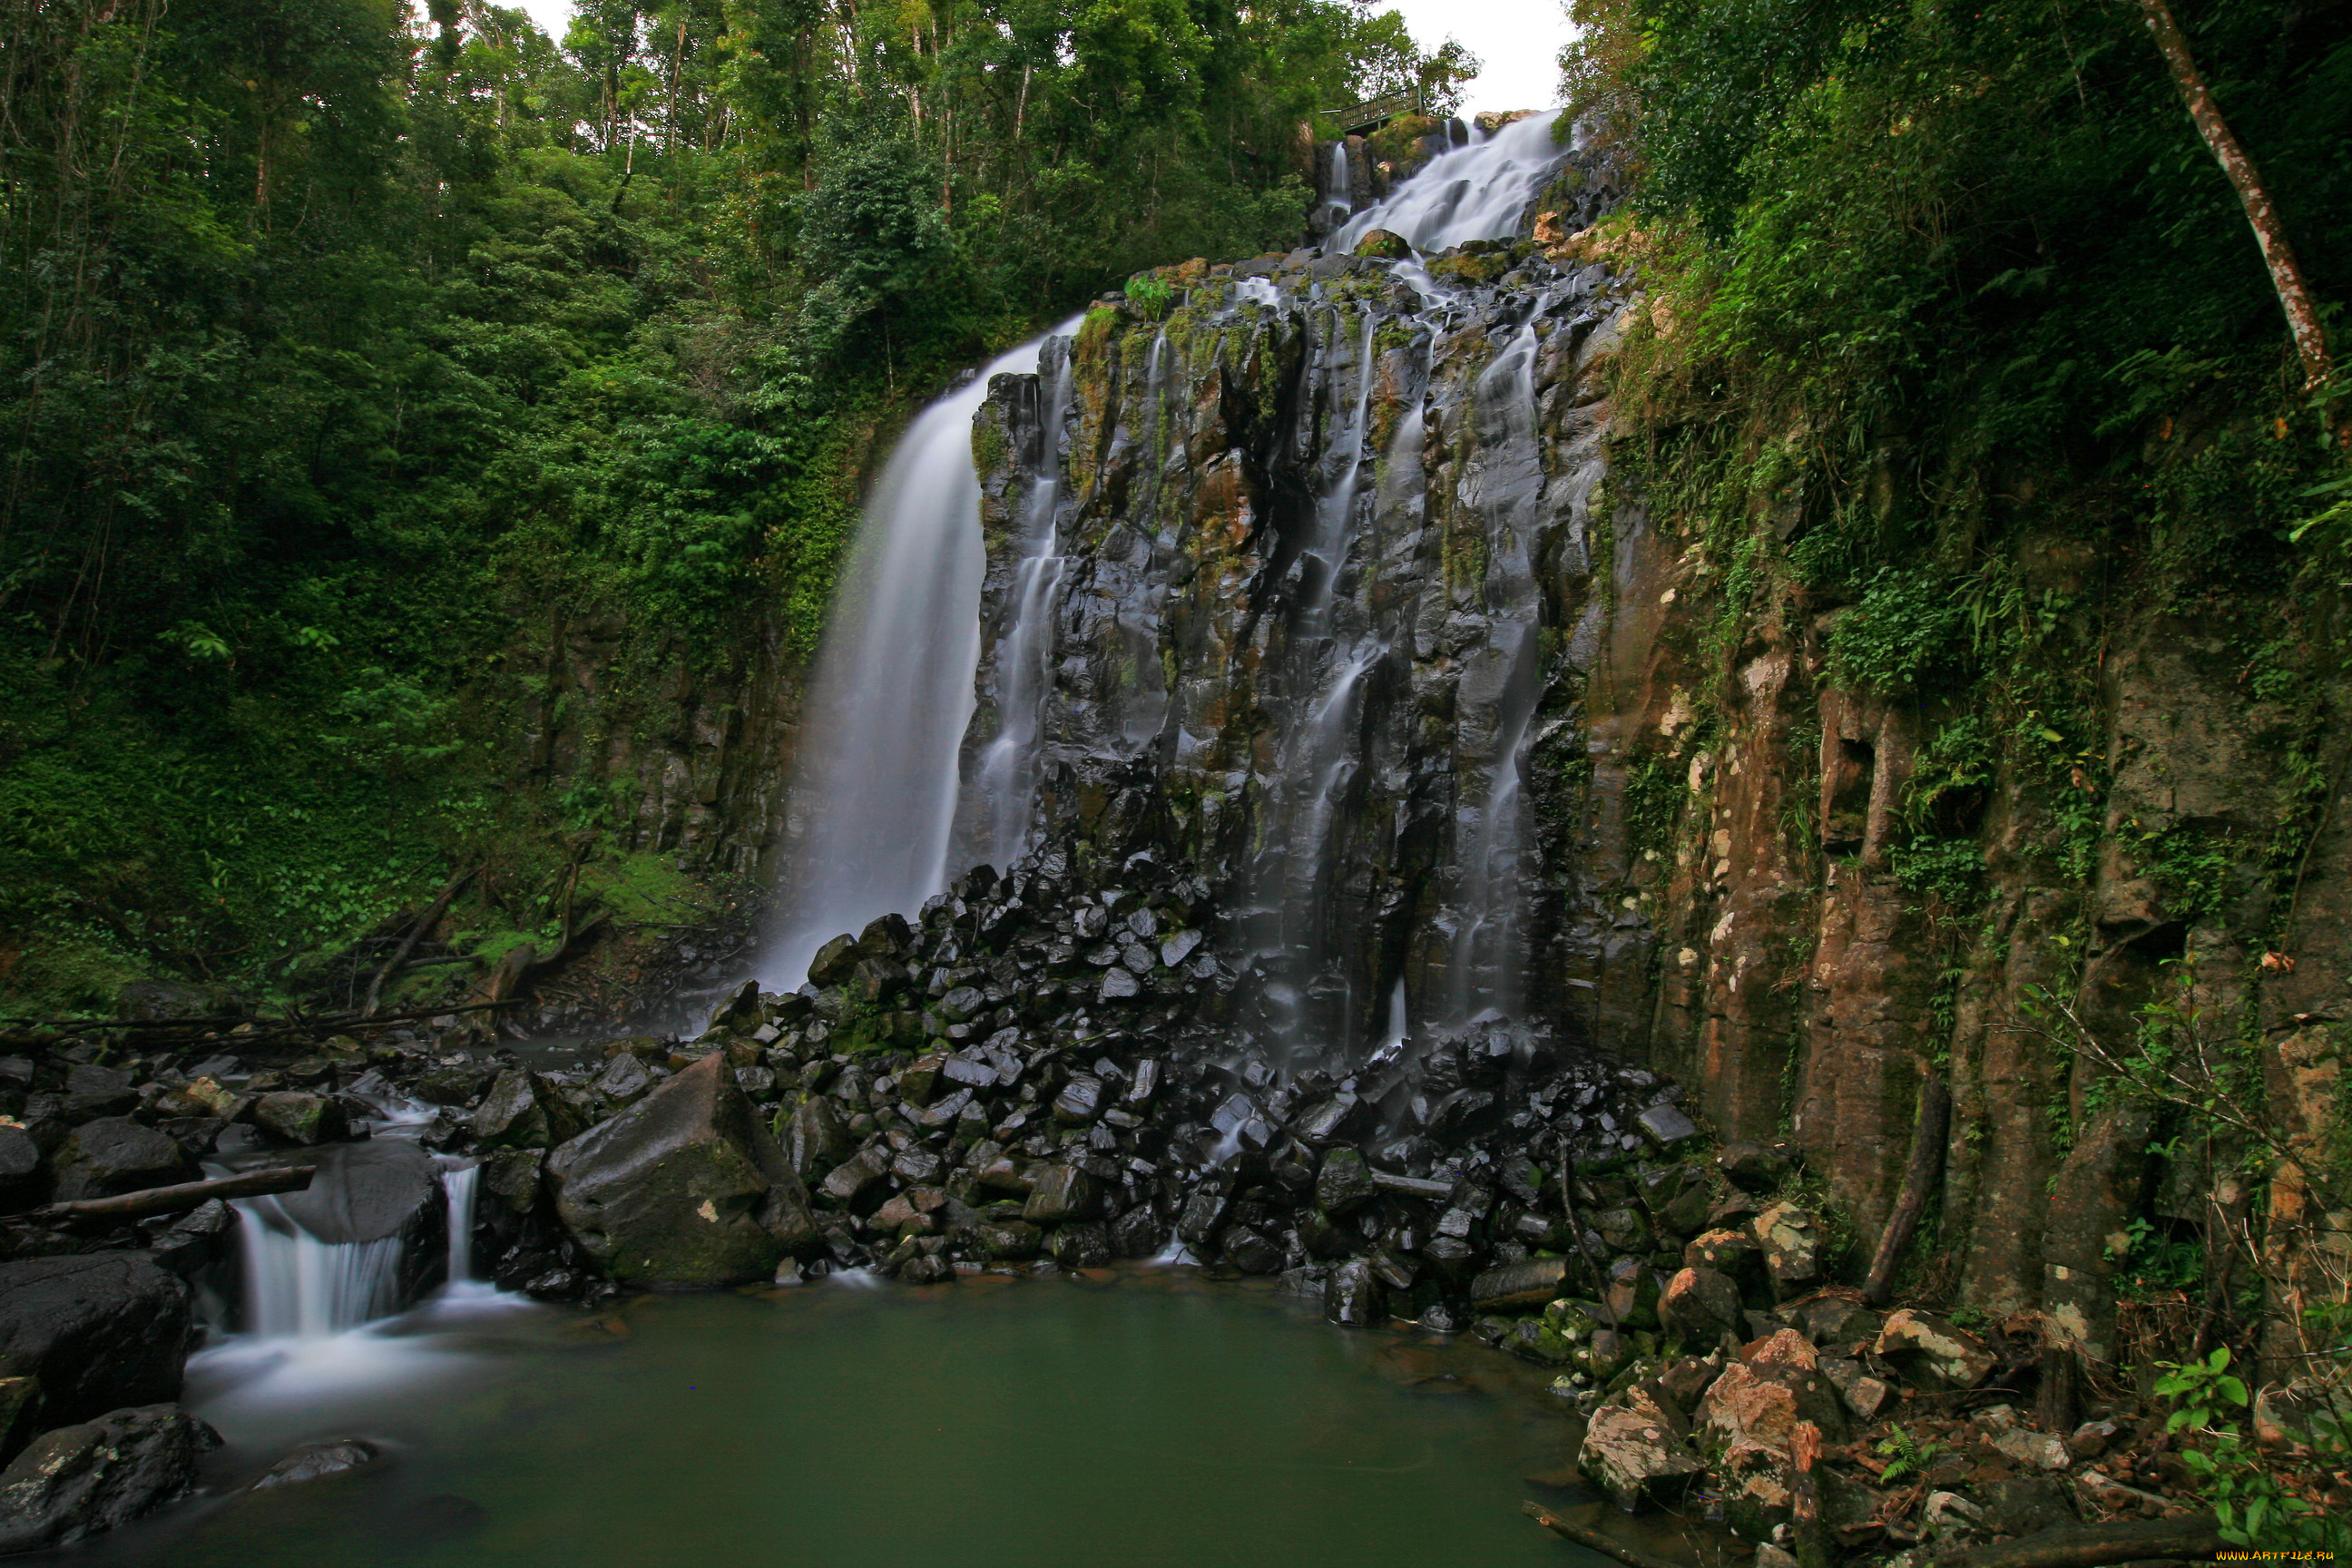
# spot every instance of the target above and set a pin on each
(115, 1155)
(522, 1111)
(100, 1330)
(685, 1187)
(99, 1474)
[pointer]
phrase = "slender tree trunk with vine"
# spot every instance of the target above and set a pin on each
(2286, 274)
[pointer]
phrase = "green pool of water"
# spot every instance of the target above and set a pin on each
(1157, 1421)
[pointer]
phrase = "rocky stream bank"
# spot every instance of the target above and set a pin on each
(1032, 1077)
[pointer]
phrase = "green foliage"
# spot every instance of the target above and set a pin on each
(1655, 789)
(354, 363)
(1908, 633)
(2254, 1506)
(1150, 293)
(1905, 1455)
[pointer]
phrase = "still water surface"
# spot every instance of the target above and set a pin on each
(1158, 1422)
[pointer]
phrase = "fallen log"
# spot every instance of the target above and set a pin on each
(424, 922)
(182, 1196)
(2189, 1538)
(1632, 1556)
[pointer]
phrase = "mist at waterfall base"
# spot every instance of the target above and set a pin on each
(1159, 1420)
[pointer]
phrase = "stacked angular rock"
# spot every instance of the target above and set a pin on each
(1726, 1375)
(1032, 1071)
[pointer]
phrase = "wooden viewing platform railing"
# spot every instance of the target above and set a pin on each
(1374, 113)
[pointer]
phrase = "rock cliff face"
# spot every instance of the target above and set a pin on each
(1339, 604)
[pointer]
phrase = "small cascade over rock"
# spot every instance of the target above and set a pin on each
(371, 1235)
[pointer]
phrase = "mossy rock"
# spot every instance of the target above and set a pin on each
(1468, 266)
(1384, 245)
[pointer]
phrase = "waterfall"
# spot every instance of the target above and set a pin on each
(1314, 756)
(1004, 775)
(1502, 682)
(458, 1183)
(874, 797)
(1339, 192)
(1474, 191)
(298, 1286)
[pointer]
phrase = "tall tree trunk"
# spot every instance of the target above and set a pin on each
(2286, 276)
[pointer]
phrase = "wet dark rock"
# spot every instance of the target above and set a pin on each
(1419, 1187)
(1062, 1193)
(919, 1080)
(366, 1192)
(1332, 1121)
(512, 1179)
(885, 937)
(814, 1138)
(1344, 1184)
(1138, 1233)
(98, 1091)
(116, 1154)
(625, 1080)
(1203, 1213)
(1355, 1295)
(301, 1118)
(189, 1242)
(316, 1461)
(523, 1110)
(456, 1085)
(834, 962)
(1251, 1253)
(685, 1187)
(100, 1475)
(1699, 1307)
(925, 1268)
(1081, 1101)
(1751, 1167)
(1085, 1246)
(874, 980)
(855, 1178)
(1008, 1240)
(1516, 1286)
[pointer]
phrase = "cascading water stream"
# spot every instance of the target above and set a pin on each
(1004, 775)
(874, 800)
(1474, 191)
(458, 1185)
(1485, 960)
(1339, 192)
(298, 1286)
(1315, 757)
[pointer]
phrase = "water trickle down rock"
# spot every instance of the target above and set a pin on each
(1326, 600)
